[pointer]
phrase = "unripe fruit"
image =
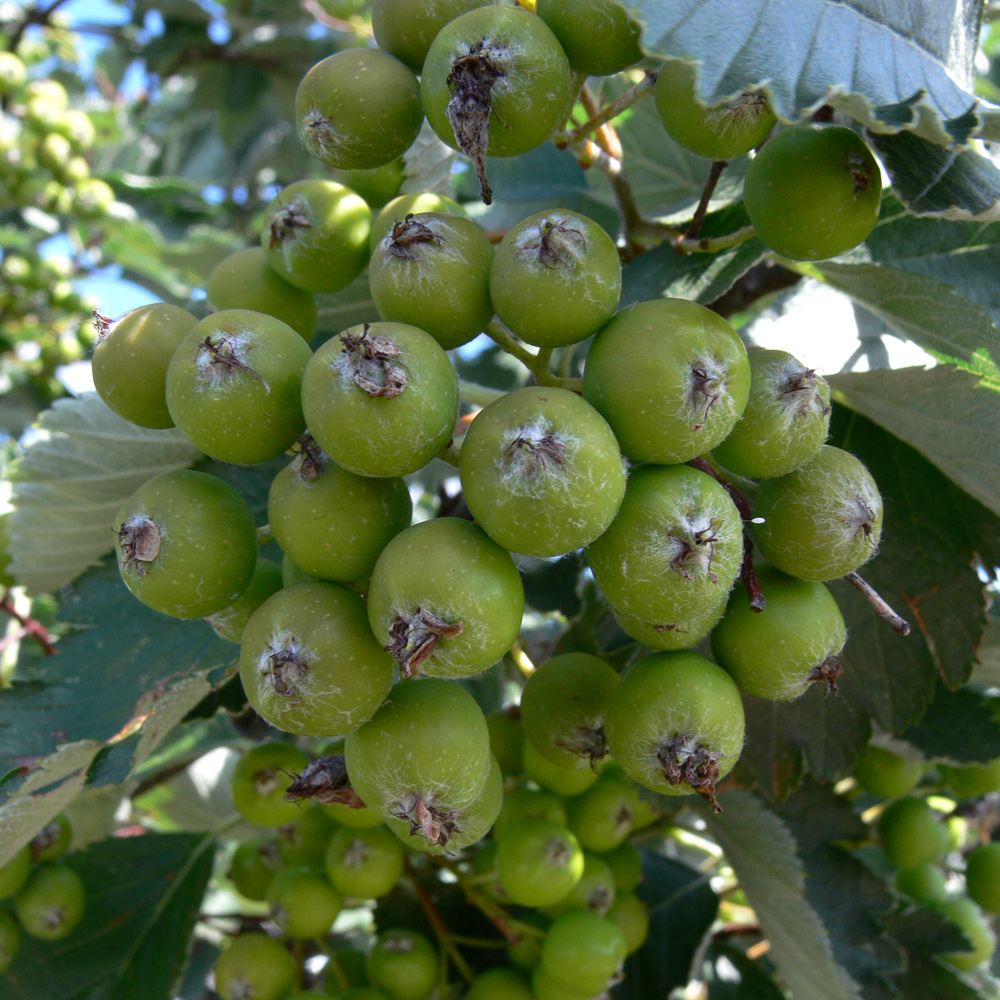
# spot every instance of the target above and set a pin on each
(403, 965)
(595, 890)
(822, 521)
(259, 782)
(315, 235)
(364, 864)
(93, 198)
(813, 191)
(52, 841)
(303, 902)
(10, 929)
(187, 545)
(332, 523)
(911, 833)
(601, 817)
(131, 358)
(445, 599)
(676, 724)
(255, 863)
(234, 386)
(555, 278)
(598, 36)
(358, 109)
(972, 781)
(785, 422)
(406, 28)
(304, 842)
(545, 986)
(393, 387)
(500, 984)
(507, 740)
(245, 280)
(425, 753)
(982, 876)
(12, 73)
(15, 872)
(51, 903)
(254, 967)
(679, 633)
(309, 663)
(964, 913)
(584, 950)
(462, 826)
(433, 270)
(672, 553)
(625, 862)
(794, 643)
(885, 774)
(525, 802)
(670, 376)
(538, 862)
(230, 622)
(541, 471)
(495, 82)
(403, 205)
(924, 883)
(720, 132)
(564, 781)
(563, 706)
(632, 916)
(376, 185)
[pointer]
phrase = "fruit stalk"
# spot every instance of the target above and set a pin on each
(881, 606)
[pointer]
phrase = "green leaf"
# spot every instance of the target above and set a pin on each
(924, 310)
(143, 898)
(924, 935)
(964, 254)
(960, 727)
(945, 413)
(946, 183)
(700, 277)
(890, 66)
(752, 982)
(850, 899)
(428, 164)
(81, 464)
(682, 908)
(763, 855)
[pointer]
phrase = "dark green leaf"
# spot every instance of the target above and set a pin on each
(947, 414)
(682, 907)
(960, 726)
(552, 586)
(889, 66)
(143, 897)
(730, 975)
(944, 182)
(849, 898)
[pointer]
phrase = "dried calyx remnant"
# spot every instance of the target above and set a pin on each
(411, 232)
(861, 172)
(102, 324)
(312, 460)
(412, 640)
(372, 363)
(139, 541)
(224, 356)
(685, 761)
(587, 742)
(471, 81)
(324, 780)
(428, 821)
(706, 385)
(287, 221)
(801, 393)
(558, 243)
(695, 552)
(285, 667)
(827, 673)
(532, 451)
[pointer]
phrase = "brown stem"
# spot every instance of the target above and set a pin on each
(29, 625)
(605, 134)
(881, 606)
(731, 930)
(497, 915)
(743, 505)
(437, 923)
(706, 196)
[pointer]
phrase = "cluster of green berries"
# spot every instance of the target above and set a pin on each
(937, 864)
(44, 149)
(558, 854)
(45, 897)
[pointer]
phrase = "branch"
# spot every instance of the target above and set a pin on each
(610, 111)
(32, 16)
(713, 244)
(538, 364)
(440, 927)
(29, 626)
(881, 606)
(706, 196)
(478, 395)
